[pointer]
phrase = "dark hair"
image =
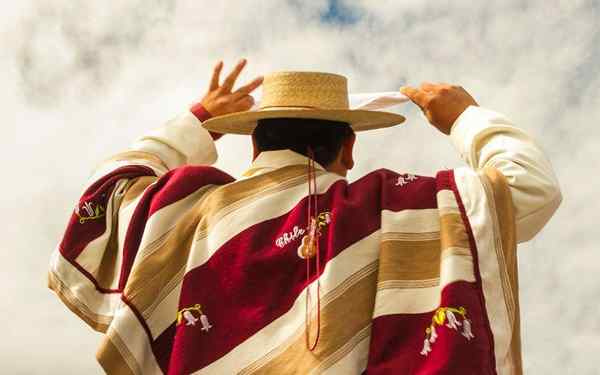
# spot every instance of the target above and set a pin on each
(325, 137)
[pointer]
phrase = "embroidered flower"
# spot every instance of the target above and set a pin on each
(187, 314)
(446, 315)
(403, 180)
(452, 322)
(467, 329)
(426, 347)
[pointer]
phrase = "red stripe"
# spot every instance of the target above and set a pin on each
(397, 340)
(249, 281)
(185, 180)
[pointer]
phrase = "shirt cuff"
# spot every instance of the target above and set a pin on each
(182, 140)
(200, 112)
(474, 122)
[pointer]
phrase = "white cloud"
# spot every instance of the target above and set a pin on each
(81, 80)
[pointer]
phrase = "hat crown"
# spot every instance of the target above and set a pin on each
(305, 89)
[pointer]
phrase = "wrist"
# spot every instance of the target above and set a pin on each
(202, 115)
(200, 112)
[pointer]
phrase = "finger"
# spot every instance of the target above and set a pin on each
(247, 89)
(214, 81)
(230, 80)
(416, 96)
(245, 103)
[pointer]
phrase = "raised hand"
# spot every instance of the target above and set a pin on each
(441, 103)
(220, 100)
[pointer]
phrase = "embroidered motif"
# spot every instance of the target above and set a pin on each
(87, 211)
(288, 237)
(446, 315)
(404, 180)
(307, 248)
(191, 320)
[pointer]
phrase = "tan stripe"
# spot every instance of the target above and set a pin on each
(111, 359)
(341, 320)
(412, 264)
(497, 186)
(134, 188)
(409, 260)
(107, 269)
(407, 284)
(97, 322)
(344, 350)
(389, 236)
(452, 232)
(153, 273)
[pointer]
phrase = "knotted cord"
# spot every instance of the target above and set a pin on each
(313, 248)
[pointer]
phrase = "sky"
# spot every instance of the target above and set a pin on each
(82, 80)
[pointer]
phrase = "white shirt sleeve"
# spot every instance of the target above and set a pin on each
(182, 140)
(486, 138)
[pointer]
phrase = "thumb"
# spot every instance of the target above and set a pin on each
(409, 91)
(416, 96)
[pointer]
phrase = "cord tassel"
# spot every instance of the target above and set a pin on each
(313, 245)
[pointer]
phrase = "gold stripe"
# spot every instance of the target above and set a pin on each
(112, 361)
(453, 232)
(156, 272)
(134, 188)
(344, 350)
(407, 284)
(409, 260)
(107, 269)
(342, 319)
(97, 322)
(404, 236)
(501, 203)
(416, 256)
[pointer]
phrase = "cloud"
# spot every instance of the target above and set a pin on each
(82, 80)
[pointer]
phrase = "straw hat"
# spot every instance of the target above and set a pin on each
(310, 95)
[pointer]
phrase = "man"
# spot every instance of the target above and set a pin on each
(291, 268)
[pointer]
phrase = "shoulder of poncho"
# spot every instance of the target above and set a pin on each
(205, 174)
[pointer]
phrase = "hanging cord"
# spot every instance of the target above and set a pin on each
(313, 248)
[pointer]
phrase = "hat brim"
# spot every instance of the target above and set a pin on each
(359, 120)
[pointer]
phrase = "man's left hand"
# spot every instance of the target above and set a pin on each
(441, 103)
(220, 100)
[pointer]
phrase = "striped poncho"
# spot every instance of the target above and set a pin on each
(186, 270)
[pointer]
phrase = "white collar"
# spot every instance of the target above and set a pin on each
(267, 161)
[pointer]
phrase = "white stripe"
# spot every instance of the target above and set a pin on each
(476, 206)
(446, 199)
(133, 335)
(354, 258)
(125, 215)
(410, 221)
(423, 300)
(259, 210)
(82, 288)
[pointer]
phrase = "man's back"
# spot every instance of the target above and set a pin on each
(186, 269)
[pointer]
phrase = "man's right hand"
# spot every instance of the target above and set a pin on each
(221, 100)
(441, 103)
